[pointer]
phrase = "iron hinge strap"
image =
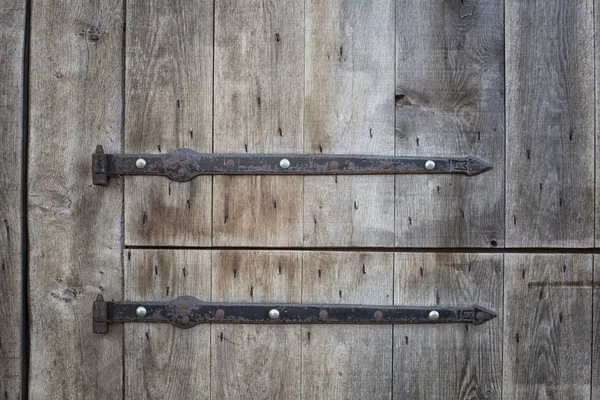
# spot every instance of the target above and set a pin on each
(185, 164)
(187, 311)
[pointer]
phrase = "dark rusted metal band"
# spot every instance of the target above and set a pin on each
(185, 164)
(187, 311)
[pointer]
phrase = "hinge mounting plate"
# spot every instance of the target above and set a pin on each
(188, 311)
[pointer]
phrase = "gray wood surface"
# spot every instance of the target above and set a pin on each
(349, 109)
(455, 361)
(549, 123)
(162, 361)
(596, 331)
(547, 326)
(258, 103)
(168, 89)
(12, 32)
(74, 227)
(347, 361)
(450, 102)
(256, 361)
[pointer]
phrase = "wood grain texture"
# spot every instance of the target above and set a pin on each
(74, 227)
(549, 123)
(258, 100)
(347, 361)
(596, 331)
(162, 361)
(548, 326)
(349, 110)
(12, 34)
(450, 102)
(256, 361)
(452, 361)
(168, 105)
(597, 130)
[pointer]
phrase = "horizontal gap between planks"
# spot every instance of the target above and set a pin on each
(508, 250)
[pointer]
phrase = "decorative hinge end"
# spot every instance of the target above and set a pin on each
(483, 315)
(477, 166)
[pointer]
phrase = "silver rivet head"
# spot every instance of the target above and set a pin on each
(433, 315)
(429, 164)
(273, 314)
(140, 311)
(284, 163)
(140, 163)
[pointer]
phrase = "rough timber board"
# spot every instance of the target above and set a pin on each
(12, 32)
(450, 361)
(549, 123)
(548, 326)
(347, 361)
(258, 102)
(349, 109)
(74, 227)
(256, 361)
(450, 102)
(162, 361)
(168, 89)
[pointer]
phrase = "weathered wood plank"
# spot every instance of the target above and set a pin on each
(259, 87)
(347, 361)
(448, 361)
(161, 361)
(548, 325)
(256, 361)
(168, 105)
(349, 110)
(549, 123)
(597, 86)
(596, 328)
(450, 102)
(74, 227)
(12, 34)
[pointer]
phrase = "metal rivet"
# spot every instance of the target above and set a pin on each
(429, 164)
(273, 314)
(140, 311)
(433, 315)
(284, 163)
(140, 163)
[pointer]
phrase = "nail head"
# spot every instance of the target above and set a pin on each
(141, 311)
(284, 163)
(433, 315)
(429, 164)
(274, 314)
(140, 163)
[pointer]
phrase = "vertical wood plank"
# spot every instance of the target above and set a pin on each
(74, 227)
(548, 325)
(349, 110)
(259, 87)
(450, 102)
(448, 361)
(12, 34)
(162, 361)
(256, 361)
(597, 130)
(347, 361)
(168, 105)
(596, 331)
(550, 123)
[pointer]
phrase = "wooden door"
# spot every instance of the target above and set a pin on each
(510, 81)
